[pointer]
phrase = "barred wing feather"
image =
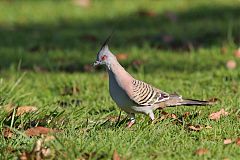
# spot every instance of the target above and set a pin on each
(145, 95)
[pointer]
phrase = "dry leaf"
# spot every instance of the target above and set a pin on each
(25, 109)
(238, 141)
(217, 115)
(237, 53)
(121, 56)
(7, 133)
(115, 155)
(201, 151)
(36, 131)
(173, 116)
(227, 141)
(231, 64)
(195, 128)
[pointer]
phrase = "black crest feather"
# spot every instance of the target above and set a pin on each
(106, 41)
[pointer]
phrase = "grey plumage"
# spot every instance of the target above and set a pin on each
(134, 96)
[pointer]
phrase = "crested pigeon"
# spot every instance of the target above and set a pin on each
(135, 96)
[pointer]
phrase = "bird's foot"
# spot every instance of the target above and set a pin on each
(130, 123)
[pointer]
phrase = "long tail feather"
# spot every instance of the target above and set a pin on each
(177, 100)
(192, 102)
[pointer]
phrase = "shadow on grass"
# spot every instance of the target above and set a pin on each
(71, 44)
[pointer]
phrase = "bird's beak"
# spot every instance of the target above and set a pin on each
(97, 63)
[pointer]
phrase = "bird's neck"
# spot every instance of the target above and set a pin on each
(119, 73)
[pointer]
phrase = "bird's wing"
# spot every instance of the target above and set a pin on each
(145, 95)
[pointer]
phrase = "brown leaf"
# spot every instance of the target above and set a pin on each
(195, 128)
(7, 133)
(116, 156)
(217, 115)
(36, 131)
(231, 64)
(227, 141)
(237, 53)
(25, 109)
(122, 56)
(201, 151)
(238, 141)
(173, 116)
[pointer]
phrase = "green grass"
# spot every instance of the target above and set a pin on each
(45, 47)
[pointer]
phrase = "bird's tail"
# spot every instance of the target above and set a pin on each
(192, 102)
(176, 100)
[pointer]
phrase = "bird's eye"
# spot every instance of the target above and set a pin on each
(104, 57)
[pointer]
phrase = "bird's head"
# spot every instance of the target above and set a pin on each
(104, 56)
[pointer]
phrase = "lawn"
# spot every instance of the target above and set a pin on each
(47, 49)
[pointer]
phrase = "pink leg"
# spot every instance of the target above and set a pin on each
(132, 120)
(130, 124)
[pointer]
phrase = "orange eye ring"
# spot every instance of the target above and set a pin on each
(104, 57)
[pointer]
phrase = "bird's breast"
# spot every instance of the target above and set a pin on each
(118, 94)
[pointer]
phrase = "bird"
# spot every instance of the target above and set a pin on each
(135, 96)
